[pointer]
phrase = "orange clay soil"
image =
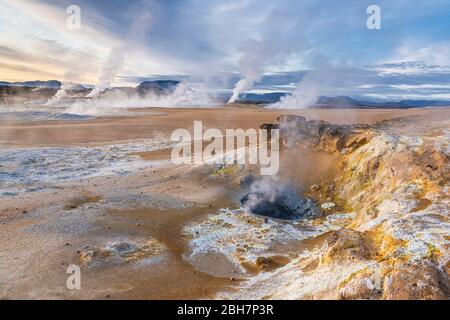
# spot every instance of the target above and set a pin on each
(160, 126)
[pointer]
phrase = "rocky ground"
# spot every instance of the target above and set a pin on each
(394, 181)
(140, 227)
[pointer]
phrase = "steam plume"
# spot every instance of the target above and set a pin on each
(306, 94)
(270, 196)
(141, 17)
(255, 54)
(59, 95)
(274, 47)
(110, 69)
(119, 102)
(315, 83)
(67, 84)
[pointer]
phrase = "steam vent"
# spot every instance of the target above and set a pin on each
(225, 150)
(278, 201)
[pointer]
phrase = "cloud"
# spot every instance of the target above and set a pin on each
(5, 67)
(214, 41)
(409, 54)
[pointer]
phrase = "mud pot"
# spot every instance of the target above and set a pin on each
(140, 227)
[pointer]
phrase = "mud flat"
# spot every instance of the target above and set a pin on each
(159, 126)
(102, 194)
(394, 178)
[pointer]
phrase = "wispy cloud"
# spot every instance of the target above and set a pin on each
(203, 41)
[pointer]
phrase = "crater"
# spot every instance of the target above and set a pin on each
(276, 199)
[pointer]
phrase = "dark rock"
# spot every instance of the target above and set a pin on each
(326, 136)
(247, 181)
(158, 87)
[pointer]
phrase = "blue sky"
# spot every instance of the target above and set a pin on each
(218, 41)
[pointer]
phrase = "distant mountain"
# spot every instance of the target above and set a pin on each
(127, 91)
(338, 102)
(158, 87)
(53, 84)
(74, 87)
(42, 89)
(262, 98)
(425, 103)
(343, 102)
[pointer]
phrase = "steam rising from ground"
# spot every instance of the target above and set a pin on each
(255, 54)
(59, 95)
(111, 67)
(306, 94)
(103, 101)
(240, 86)
(141, 16)
(119, 102)
(273, 46)
(270, 196)
(314, 84)
(69, 82)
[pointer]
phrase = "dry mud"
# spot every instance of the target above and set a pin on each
(102, 194)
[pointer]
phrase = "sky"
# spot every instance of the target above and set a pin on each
(273, 44)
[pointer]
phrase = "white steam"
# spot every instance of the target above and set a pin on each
(59, 95)
(255, 55)
(272, 47)
(119, 102)
(273, 197)
(306, 94)
(315, 83)
(67, 84)
(142, 19)
(264, 189)
(240, 86)
(111, 67)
